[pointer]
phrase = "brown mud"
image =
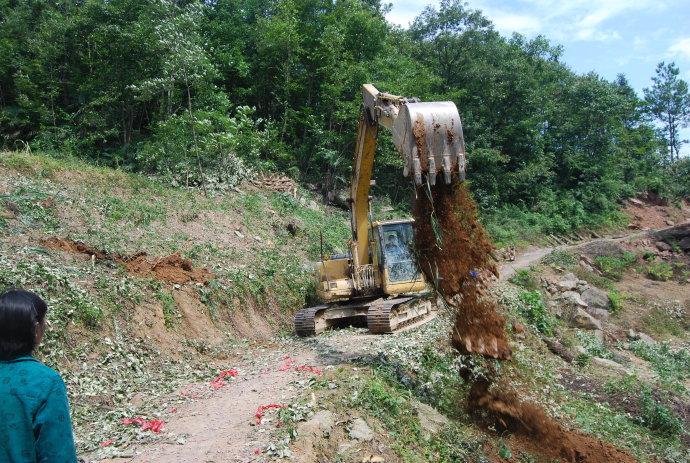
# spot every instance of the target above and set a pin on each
(456, 255)
(172, 269)
(543, 434)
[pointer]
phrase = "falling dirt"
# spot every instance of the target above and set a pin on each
(419, 132)
(455, 254)
(543, 434)
(173, 268)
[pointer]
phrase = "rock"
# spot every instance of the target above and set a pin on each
(360, 430)
(685, 244)
(321, 423)
(636, 202)
(292, 227)
(568, 282)
(585, 321)
(638, 336)
(610, 365)
(430, 419)
(661, 246)
(596, 298)
(559, 349)
(239, 234)
(312, 205)
(572, 298)
(582, 286)
(599, 314)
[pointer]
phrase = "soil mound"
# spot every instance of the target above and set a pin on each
(456, 255)
(546, 435)
(173, 268)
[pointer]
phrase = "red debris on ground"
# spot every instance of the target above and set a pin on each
(219, 380)
(288, 362)
(257, 451)
(145, 425)
(107, 443)
(309, 369)
(262, 408)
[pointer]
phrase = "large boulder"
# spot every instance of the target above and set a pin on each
(360, 430)
(430, 419)
(596, 298)
(572, 298)
(583, 320)
(685, 244)
(568, 282)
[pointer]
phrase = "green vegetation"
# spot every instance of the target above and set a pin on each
(657, 416)
(536, 313)
(617, 300)
(170, 312)
(661, 323)
(672, 366)
(613, 267)
(251, 86)
(562, 259)
(660, 271)
(525, 278)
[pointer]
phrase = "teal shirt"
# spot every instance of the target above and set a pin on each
(34, 414)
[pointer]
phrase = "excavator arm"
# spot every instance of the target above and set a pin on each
(429, 138)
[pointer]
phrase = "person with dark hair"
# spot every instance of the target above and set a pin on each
(35, 424)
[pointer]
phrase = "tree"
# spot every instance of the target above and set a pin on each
(668, 101)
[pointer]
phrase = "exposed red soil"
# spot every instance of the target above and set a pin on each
(173, 268)
(455, 253)
(651, 212)
(543, 434)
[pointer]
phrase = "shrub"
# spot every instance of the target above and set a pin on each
(525, 278)
(614, 267)
(660, 271)
(658, 417)
(560, 259)
(536, 313)
(616, 299)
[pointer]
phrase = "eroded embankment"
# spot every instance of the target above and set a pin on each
(455, 254)
(172, 269)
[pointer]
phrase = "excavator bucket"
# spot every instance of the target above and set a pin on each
(429, 136)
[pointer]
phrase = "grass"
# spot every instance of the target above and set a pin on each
(660, 271)
(671, 365)
(613, 267)
(536, 313)
(170, 313)
(525, 278)
(562, 259)
(662, 324)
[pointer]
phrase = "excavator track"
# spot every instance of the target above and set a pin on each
(398, 314)
(306, 321)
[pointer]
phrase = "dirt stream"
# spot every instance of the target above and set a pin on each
(456, 255)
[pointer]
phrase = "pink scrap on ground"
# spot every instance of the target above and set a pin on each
(262, 408)
(145, 425)
(219, 381)
(287, 363)
(107, 443)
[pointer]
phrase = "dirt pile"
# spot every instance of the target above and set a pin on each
(173, 268)
(455, 254)
(543, 434)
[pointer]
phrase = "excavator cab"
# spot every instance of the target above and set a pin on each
(397, 263)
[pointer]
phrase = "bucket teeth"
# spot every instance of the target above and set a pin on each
(432, 171)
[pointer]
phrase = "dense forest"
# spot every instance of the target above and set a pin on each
(207, 93)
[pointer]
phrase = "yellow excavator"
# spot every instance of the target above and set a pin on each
(378, 281)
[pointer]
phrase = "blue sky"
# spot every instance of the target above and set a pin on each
(605, 36)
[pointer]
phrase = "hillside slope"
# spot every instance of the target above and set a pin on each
(169, 305)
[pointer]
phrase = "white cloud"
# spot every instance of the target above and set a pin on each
(680, 47)
(523, 23)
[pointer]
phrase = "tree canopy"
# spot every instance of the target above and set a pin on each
(206, 92)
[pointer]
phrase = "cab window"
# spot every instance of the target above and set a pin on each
(398, 257)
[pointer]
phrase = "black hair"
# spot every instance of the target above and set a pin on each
(20, 311)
